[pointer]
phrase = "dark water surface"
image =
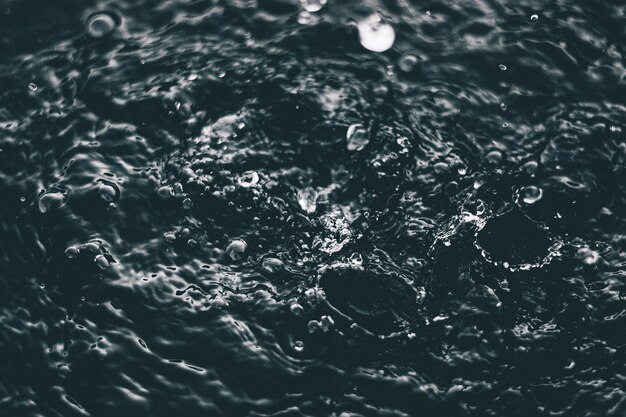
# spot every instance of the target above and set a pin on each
(241, 208)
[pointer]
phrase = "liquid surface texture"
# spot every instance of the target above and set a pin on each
(312, 208)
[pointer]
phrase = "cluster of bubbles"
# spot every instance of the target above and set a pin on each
(94, 249)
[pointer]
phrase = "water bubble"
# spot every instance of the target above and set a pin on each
(108, 191)
(170, 237)
(531, 194)
(534, 17)
(236, 249)
(32, 87)
(102, 262)
(407, 63)
(307, 198)
(530, 167)
(326, 323)
(298, 346)
(248, 179)
(72, 252)
(588, 255)
(272, 265)
(92, 247)
(357, 137)
(296, 309)
(165, 192)
(313, 326)
(502, 67)
(376, 35)
(494, 157)
(100, 24)
(306, 18)
(313, 6)
(50, 200)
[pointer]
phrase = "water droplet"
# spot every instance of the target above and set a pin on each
(305, 18)
(494, 157)
(588, 255)
(356, 259)
(313, 326)
(502, 67)
(296, 309)
(108, 191)
(298, 346)
(531, 194)
(272, 265)
(32, 87)
(531, 168)
(326, 323)
(102, 262)
(50, 200)
(376, 35)
(72, 252)
(100, 24)
(165, 192)
(236, 249)
(248, 179)
(357, 137)
(307, 198)
(407, 63)
(312, 6)
(534, 17)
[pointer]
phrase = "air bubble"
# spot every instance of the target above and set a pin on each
(307, 199)
(248, 179)
(313, 6)
(32, 87)
(108, 191)
(51, 200)
(588, 255)
(100, 24)
(376, 35)
(296, 309)
(236, 249)
(306, 18)
(165, 192)
(357, 137)
(494, 157)
(272, 265)
(72, 252)
(298, 346)
(502, 67)
(407, 63)
(531, 194)
(102, 262)
(534, 17)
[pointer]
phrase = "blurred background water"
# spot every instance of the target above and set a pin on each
(312, 208)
